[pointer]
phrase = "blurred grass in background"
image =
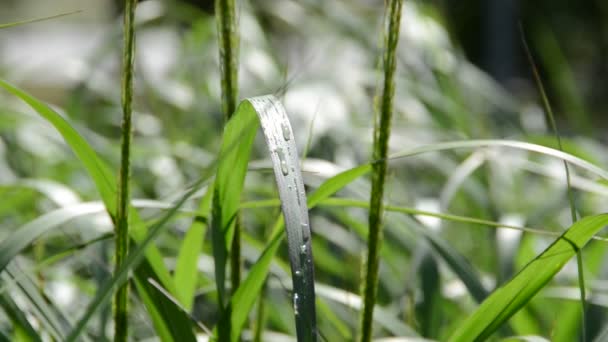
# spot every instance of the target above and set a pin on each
(461, 74)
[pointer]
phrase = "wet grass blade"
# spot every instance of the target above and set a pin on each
(246, 295)
(511, 297)
(228, 186)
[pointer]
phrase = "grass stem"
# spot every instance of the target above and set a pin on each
(121, 297)
(382, 125)
(551, 119)
(228, 48)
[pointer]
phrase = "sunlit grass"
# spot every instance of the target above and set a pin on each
(233, 237)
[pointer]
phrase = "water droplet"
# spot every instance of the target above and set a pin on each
(303, 248)
(298, 273)
(305, 233)
(295, 304)
(283, 162)
(286, 132)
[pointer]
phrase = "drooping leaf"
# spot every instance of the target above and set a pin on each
(105, 183)
(228, 186)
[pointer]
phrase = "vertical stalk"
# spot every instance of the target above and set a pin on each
(551, 118)
(228, 43)
(121, 297)
(229, 46)
(382, 125)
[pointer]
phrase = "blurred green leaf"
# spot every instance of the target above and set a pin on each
(508, 299)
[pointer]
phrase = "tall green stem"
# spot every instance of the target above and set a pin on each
(229, 54)
(121, 298)
(228, 43)
(382, 125)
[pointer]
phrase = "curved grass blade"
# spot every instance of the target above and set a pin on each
(228, 186)
(28, 233)
(99, 171)
(453, 145)
(105, 183)
(246, 295)
(511, 297)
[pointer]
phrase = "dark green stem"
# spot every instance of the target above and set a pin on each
(121, 297)
(382, 125)
(228, 43)
(551, 119)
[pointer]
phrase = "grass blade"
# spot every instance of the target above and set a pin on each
(284, 156)
(50, 317)
(28, 233)
(186, 271)
(286, 165)
(99, 171)
(131, 262)
(18, 318)
(35, 20)
(104, 181)
(511, 297)
(467, 144)
(234, 155)
(245, 296)
(551, 119)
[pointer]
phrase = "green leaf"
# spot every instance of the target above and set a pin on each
(245, 296)
(99, 171)
(29, 21)
(230, 178)
(28, 233)
(105, 182)
(228, 186)
(133, 259)
(511, 297)
(49, 316)
(464, 144)
(186, 270)
(18, 318)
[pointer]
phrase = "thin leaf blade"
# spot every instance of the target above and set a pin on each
(507, 300)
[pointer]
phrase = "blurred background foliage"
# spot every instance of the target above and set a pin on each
(462, 74)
